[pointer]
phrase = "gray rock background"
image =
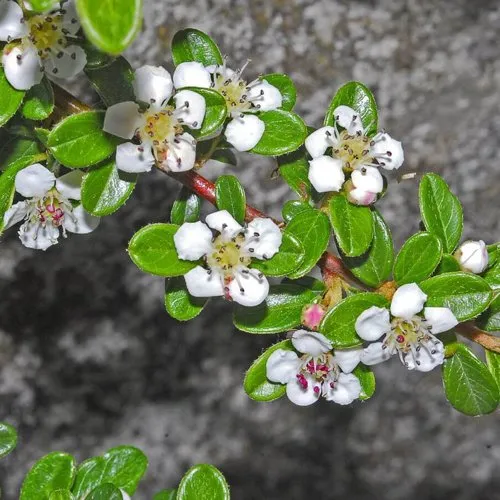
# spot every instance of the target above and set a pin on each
(89, 359)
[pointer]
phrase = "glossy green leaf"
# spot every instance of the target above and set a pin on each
(105, 491)
(111, 25)
(352, 225)
(280, 312)
(95, 58)
(39, 101)
(63, 495)
(493, 254)
(14, 149)
(418, 258)
(194, 45)
(367, 379)
(448, 264)
(492, 276)
(468, 384)
(230, 196)
(10, 98)
(490, 319)
(441, 211)
(105, 189)
(186, 207)
(358, 97)
(42, 134)
(79, 141)
(292, 208)
(8, 439)
(338, 323)
(493, 363)
(165, 495)
(179, 303)
(203, 482)
(286, 87)
(285, 132)
(294, 169)
(43, 5)
(55, 471)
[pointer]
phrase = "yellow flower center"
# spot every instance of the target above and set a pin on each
(228, 255)
(46, 32)
(234, 90)
(353, 150)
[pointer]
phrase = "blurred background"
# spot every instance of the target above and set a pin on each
(89, 359)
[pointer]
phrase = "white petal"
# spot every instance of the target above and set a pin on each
(347, 359)
(360, 197)
(375, 354)
(122, 119)
(153, 85)
(349, 119)
(244, 132)
(345, 390)
(428, 357)
(407, 301)
(473, 256)
(250, 291)
(125, 495)
(80, 221)
(71, 61)
(388, 152)
(11, 25)
(269, 238)
(373, 323)
(282, 366)
(265, 96)
(192, 74)
(319, 141)
(201, 283)
(368, 179)
(193, 240)
(25, 72)
(134, 158)
(303, 397)
(70, 184)
(33, 235)
(441, 319)
(325, 174)
(312, 343)
(70, 17)
(223, 222)
(34, 180)
(181, 155)
(16, 213)
(194, 113)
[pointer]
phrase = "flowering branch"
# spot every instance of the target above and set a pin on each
(472, 332)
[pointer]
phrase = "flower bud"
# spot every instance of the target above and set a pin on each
(358, 196)
(472, 256)
(312, 316)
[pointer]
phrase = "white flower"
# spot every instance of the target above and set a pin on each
(473, 256)
(40, 42)
(228, 256)
(47, 209)
(159, 128)
(317, 372)
(244, 131)
(352, 152)
(409, 335)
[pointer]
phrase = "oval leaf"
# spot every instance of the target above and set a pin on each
(448, 264)
(62, 495)
(286, 87)
(292, 208)
(367, 379)
(43, 5)
(106, 491)
(490, 319)
(165, 495)
(15, 149)
(8, 439)
(203, 481)
(493, 363)
(186, 207)
(194, 45)
(230, 196)
(492, 276)
(39, 101)
(179, 303)
(294, 169)
(10, 99)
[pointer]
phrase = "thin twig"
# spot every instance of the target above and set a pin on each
(472, 332)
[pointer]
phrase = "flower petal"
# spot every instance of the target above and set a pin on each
(373, 323)
(325, 174)
(22, 67)
(80, 221)
(193, 108)
(12, 24)
(349, 119)
(347, 359)
(388, 152)
(407, 301)
(426, 358)
(244, 132)
(473, 256)
(360, 197)
(345, 390)
(312, 343)
(69, 62)
(203, 283)
(223, 222)
(134, 158)
(70, 17)
(193, 240)
(153, 85)
(282, 366)
(265, 96)
(122, 119)
(303, 397)
(264, 236)
(441, 319)
(33, 235)
(249, 290)
(181, 154)
(34, 180)
(192, 74)
(70, 184)
(16, 213)
(319, 141)
(374, 354)
(368, 179)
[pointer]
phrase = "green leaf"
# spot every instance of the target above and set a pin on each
(79, 141)
(166, 495)
(256, 383)
(194, 45)
(286, 87)
(226, 156)
(490, 319)
(448, 264)
(111, 25)
(113, 82)
(467, 295)
(8, 439)
(105, 189)
(468, 384)
(493, 363)
(95, 57)
(39, 101)
(105, 491)
(230, 196)
(338, 323)
(10, 98)
(294, 169)
(285, 132)
(55, 471)
(358, 97)
(280, 312)
(290, 257)
(15, 149)
(186, 207)
(441, 211)
(418, 258)
(42, 134)
(492, 276)
(152, 249)
(312, 229)
(493, 254)
(374, 266)
(62, 495)
(367, 379)
(179, 303)
(292, 208)
(43, 5)
(203, 482)
(352, 225)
